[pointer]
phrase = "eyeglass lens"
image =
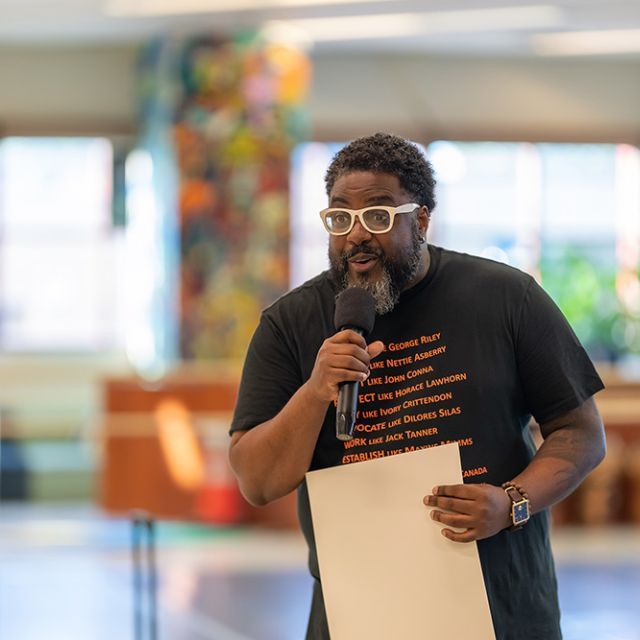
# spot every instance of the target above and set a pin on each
(374, 220)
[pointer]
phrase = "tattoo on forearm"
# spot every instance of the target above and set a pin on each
(573, 445)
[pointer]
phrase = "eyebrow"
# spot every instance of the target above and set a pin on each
(371, 200)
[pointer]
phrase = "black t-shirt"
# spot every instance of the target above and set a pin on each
(472, 352)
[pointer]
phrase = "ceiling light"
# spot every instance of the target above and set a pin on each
(584, 43)
(431, 22)
(286, 33)
(184, 7)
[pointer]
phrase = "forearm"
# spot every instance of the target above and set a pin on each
(574, 444)
(271, 459)
(564, 459)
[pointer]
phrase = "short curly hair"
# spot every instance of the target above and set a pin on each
(387, 153)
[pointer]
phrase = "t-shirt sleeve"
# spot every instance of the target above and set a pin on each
(270, 376)
(555, 370)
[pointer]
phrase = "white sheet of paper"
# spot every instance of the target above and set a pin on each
(386, 570)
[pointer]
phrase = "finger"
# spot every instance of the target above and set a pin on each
(464, 491)
(451, 519)
(348, 363)
(375, 348)
(459, 536)
(349, 335)
(449, 504)
(348, 349)
(336, 366)
(348, 375)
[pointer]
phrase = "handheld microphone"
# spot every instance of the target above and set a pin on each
(356, 310)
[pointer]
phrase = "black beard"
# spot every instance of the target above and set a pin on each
(396, 274)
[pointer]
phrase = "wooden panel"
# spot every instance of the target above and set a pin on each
(197, 395)
(135, 475)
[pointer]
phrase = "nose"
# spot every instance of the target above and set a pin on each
(358, 234)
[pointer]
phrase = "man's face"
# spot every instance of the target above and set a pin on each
(383, 263)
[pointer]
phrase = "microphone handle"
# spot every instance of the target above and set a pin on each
(346, 410)
(347, 403)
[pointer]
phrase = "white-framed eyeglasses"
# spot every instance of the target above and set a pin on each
(378, 219)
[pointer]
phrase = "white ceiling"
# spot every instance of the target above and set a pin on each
(532, 27)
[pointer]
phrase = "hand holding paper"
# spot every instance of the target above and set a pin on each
(480, 510)
(386, 570)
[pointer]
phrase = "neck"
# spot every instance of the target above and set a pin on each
(423, 268)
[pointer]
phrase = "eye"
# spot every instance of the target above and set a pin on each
(340, 219)
(378, 218)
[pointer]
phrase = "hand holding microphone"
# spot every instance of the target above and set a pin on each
(355, 310)
(343, 359)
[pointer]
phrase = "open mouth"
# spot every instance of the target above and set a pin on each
(363, 261)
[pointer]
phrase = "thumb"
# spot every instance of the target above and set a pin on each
(375, 348)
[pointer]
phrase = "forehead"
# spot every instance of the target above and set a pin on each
(366, 183)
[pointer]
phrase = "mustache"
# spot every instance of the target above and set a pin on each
(362, 249)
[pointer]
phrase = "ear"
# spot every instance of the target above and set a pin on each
(423, 220)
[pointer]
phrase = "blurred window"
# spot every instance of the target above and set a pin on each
(57, 245)
(569, 214)
(308, 247)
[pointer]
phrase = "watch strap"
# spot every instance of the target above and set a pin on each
(515, 489)
(517, 495)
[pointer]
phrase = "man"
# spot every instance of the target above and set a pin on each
(472, 349)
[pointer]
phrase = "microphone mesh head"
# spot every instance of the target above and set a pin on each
(355, 307)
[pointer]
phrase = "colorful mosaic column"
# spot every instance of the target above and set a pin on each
(241, 111)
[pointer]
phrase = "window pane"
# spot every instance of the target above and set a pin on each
(484, 203)
(62, 299)
(578, 262)
(309, 239)
(579, 193)
(57, 271)
(55, 185)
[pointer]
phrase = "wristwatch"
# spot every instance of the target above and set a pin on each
(520, 512)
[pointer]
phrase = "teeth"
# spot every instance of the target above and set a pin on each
(365, 259)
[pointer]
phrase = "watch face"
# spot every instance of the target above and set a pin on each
(520, 512)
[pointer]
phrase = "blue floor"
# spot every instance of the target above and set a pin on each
(601, 602)
(66, 573)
